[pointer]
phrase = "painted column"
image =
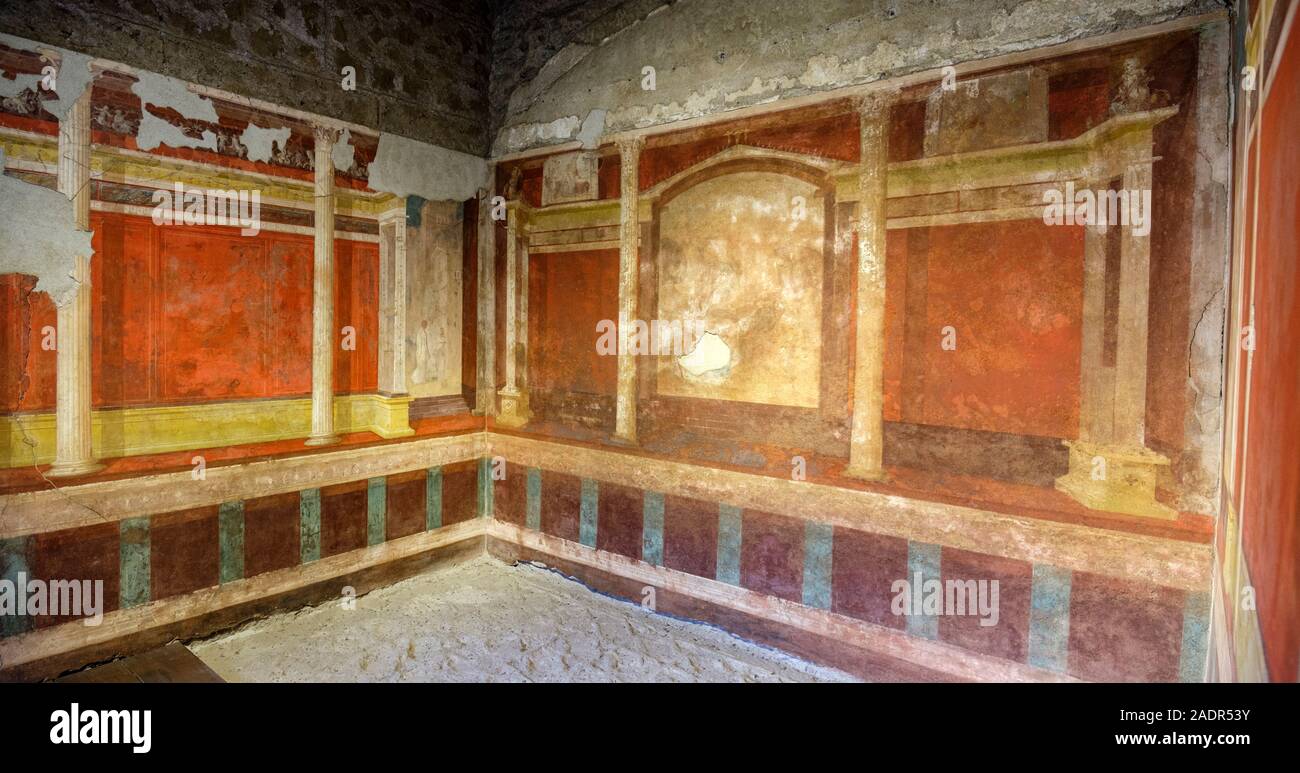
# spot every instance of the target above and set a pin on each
(514, 401)
(73, 448)
(629, 151)
(866, 443)
(392, 308)
(322, 343)
(487, 257)
(1131, 338)
(1111, 468)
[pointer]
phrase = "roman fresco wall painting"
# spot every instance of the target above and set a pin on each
(958, 325)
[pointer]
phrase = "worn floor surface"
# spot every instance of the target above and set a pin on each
(487, 621)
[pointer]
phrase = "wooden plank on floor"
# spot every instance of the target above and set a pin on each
(171, 664)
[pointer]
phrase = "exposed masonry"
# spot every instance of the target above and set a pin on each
(711, 56)
(421, 68)
(38, 236)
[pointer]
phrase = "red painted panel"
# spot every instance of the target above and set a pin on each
(1270, 515)
(289, 271)
(42, 364)
(17, 344)
(569, 293)
(195, 313)
(356, 304)
(214, 312)
(123, 330)
(1013, 292)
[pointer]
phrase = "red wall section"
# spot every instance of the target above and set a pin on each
(1271, 480)
(1013, 292)
(356, 303)
(568, 294)
(196, 313)
(23, 314)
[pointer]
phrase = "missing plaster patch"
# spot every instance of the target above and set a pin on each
(592, 127)
(709, 361)
(345, 153)
(261, 142)
(164, 92)
(406, 167)
(39, 236)
(72, 75)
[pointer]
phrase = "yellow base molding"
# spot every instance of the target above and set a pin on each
(514, 408)
(29, 438)
(1115, 479)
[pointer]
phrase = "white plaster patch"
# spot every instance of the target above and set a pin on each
(71, 79)
(39, 236)
(592, 127)
(709, 361)
(686, 34)
(407, 167)
(162, 91)
(259, 141)
(345, 153)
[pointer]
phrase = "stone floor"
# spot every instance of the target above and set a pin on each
(487, 621)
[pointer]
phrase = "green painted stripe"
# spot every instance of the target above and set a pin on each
(923, 564)
(232, 541)
(729, 536)
(1196, 636)
(533, 509)
(15, 560)
(133, 555)
(588, 513)
(309, 524)
(433, 499)
(1049, 618)
(652, 529)
(376, 511)
(486, 502)
(818, 542)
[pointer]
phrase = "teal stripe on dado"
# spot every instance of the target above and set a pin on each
(730, 524)
(133, 553)
(309, 524)
(231, 531)
(376, 510)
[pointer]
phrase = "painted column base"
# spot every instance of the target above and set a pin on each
(862, 472)
(386, 416)
(514, 408)
(73, 469)
(1115, 479)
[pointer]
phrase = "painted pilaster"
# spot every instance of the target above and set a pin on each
(866, 442)
(514, 398)
(392, 301)
(1111, 468)
(322, 344)
(73, 447)
(487, 329)
(628, 231)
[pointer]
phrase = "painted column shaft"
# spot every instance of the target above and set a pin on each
(322, 346)
(1131, 341)
(866, 443)
(487, 254)
(392, 316)
(628, 231)
(512, 296)
(74, 454)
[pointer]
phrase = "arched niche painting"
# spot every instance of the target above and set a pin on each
(740, 258)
